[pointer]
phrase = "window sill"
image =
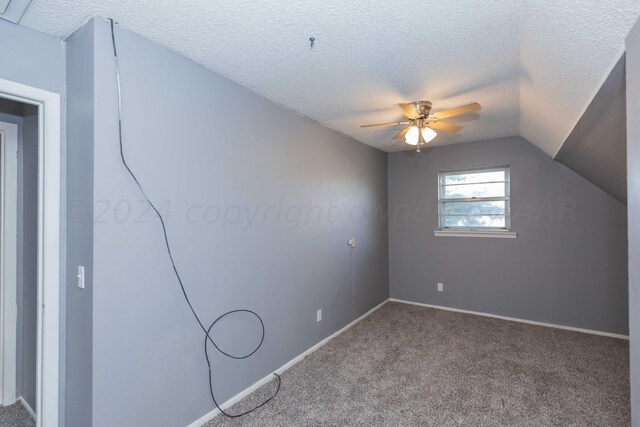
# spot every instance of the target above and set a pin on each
(476, 233)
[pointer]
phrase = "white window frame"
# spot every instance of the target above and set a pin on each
(475, 231)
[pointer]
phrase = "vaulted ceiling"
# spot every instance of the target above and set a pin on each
(534, 65)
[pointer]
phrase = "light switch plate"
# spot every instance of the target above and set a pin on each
(80, 276)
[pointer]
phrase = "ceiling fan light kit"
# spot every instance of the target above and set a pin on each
(422, 125)
(415, 134)
(428, 134)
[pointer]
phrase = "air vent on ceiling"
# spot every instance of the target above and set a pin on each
(12, 10)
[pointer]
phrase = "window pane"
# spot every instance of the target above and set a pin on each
(481, 221)
(465, 178)
(475, 208)
(473, 190)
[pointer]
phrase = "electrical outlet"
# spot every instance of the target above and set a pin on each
(440, 287)
(319, 315)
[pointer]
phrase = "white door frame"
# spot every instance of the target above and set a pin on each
(49, 223)
(8, 260)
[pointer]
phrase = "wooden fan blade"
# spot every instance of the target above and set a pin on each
(402, 133)
(445, 127)
(410, 110)
(384, 124)
(470, 108)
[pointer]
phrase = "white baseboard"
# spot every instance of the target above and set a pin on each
(27, 407)
(514, 319)
(210, 415)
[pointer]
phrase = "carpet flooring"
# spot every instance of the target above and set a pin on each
(15, 416)
(406, 365)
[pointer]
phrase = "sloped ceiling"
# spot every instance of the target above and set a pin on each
(597, 146)
(533, 65)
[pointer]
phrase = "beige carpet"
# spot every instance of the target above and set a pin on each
(409, 365)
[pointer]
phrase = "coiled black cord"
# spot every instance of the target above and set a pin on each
(207, 331)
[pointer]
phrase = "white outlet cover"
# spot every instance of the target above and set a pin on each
(440, 287)
(319, 315)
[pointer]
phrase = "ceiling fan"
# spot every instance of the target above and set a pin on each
(422, 125)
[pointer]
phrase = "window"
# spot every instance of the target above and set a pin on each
(474, 200)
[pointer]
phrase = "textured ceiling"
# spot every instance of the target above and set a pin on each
(533, 65)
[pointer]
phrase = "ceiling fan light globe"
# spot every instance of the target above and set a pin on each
(412, 136)
(428, 134)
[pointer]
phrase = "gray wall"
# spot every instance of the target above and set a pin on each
(597, 146)
(31, 58)
(36, 59)
(29, 252)
(568, 265)
(9, 107)
(201, 143)
(633, 186)
(80, 160)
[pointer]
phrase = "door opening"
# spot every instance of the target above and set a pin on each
(18, 259)
(40, 251)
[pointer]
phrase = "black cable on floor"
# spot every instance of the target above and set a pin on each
(207, 331)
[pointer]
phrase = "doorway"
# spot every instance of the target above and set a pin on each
(30, 309)
(18, 259)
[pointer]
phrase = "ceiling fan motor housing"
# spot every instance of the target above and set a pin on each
(423, 108)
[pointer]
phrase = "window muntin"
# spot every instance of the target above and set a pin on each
(474, 199)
